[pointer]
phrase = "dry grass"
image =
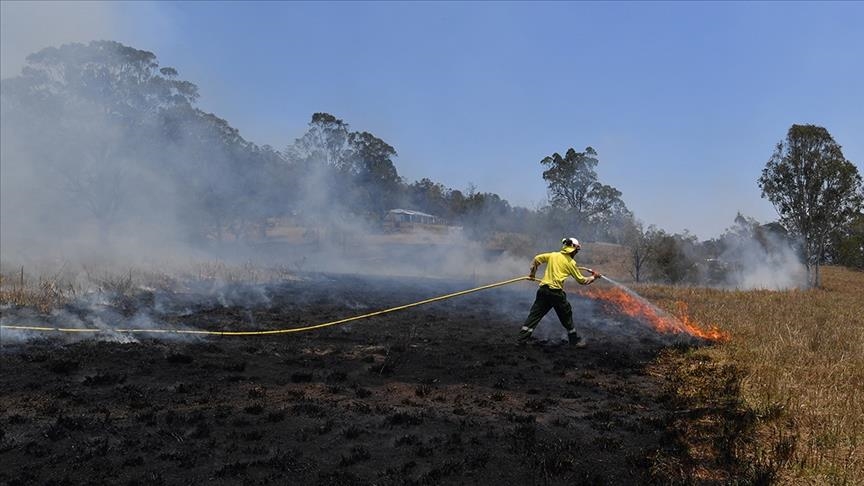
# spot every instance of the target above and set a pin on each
(51, 289)
(42, 293)
(801, 361)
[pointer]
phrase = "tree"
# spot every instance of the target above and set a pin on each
(573, 184)
(486, 213)
(90, 116)
(373, 171)
(98, 181)
(428, 196)
(351, 171)
(672, 258)
(642, 243)
(847, 246)
(321, 158)
(116, 140)
(326, 142)
(814, 189)
(125, 82)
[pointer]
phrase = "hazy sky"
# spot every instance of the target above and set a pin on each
(684, 102)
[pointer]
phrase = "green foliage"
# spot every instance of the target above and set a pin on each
(122, 78)
(847, 245)
(352, 171)
(672, 257)
(485, 215)
(375, 177)
(325, 143)
(814, 188)
(433, 198)
(573, 186)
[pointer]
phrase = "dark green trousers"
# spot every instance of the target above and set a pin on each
(548, 299)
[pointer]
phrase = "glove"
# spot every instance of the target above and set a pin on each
(531, 276)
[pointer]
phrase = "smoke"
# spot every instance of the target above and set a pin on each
(78, 187)
(100, 168)
(760, 257)
(41, 221)
(95, 317)
(26, 27)
(759, 268)
(95, 170)
(114, 305)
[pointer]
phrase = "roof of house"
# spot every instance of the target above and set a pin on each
(411, 213)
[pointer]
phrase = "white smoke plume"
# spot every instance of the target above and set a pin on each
(761, 257)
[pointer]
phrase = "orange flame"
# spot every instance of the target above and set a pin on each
(639, 308)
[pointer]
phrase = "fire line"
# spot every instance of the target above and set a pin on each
(632, 304)
(619, 297)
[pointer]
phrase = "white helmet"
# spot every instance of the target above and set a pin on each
(570, 245)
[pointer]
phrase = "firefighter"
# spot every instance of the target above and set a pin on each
(550, 295)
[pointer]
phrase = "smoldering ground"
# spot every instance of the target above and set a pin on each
(433, 394)
(188, 305)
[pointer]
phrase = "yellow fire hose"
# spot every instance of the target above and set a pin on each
(272, 331)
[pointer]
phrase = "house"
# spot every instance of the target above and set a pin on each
(397, 218)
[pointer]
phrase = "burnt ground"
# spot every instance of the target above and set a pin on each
(438, 394)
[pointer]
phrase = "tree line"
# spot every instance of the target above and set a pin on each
(109, 130)
(113, 138)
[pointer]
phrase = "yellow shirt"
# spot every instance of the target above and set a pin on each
(559, 266)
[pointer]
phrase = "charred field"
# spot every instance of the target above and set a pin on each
(437, 394)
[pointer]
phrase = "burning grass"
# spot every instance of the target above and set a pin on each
(623, 300)
(798, 360)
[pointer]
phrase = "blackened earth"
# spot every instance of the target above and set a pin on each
(437, 394)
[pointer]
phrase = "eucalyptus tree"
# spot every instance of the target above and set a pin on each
(326, 143)
(815, 190)
(85, 116)
(375, 176)
(127, 144)
(573, 184)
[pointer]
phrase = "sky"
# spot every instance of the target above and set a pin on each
(683, 101)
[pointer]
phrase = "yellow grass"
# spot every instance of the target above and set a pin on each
(43, 295)
(802, 359)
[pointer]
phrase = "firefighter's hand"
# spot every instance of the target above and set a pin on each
(531, 276)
